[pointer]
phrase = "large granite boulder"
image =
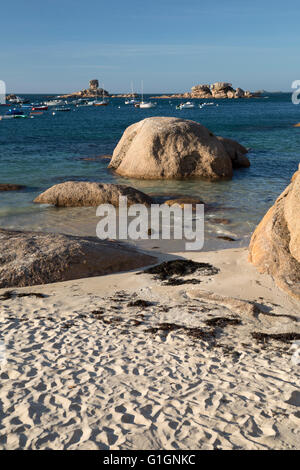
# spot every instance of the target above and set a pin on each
(221, 86)
(275, 244)
(222, 90)
(31, 258)
(201, 91)
(236, 151)
(239, 93)
(85, 194)
(170, 148)
(94, 84)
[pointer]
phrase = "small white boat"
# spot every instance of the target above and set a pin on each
(53, 102)
(133, 102)
(6, 117)
(148, 104)
(206, 104)
(62, 109)
(101, 103)
(145, 104)
(186, 105)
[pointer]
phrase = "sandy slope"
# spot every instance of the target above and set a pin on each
(76, 380)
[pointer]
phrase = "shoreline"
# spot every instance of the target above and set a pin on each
(105, 380)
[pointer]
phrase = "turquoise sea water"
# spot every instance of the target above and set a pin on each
(49, 149)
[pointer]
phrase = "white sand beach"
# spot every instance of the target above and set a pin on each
(121, 378)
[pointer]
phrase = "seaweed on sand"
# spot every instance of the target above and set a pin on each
(283, 337)
(179, 281)
(222, 322)
(11, 294)
(180, 267)
(140, 303)
(195, 333)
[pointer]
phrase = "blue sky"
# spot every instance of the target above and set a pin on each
(58, 45)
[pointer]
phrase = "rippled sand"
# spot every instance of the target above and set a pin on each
(73, 379)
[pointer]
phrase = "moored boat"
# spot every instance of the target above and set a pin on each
(39, 108)
(62, 109)
(101, 103)
(186, 105)
(133, 101)
(14, 113)
(145, 104)
(53, 102)
(148, 104)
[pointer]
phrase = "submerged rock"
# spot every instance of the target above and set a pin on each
(10, 187)
(96, 158)
(31, 258)
(85, 194)
(170, 148)
(184, 200)
(275, 244)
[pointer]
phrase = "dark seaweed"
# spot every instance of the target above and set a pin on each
(140, 303)
(10, 294)
(181, 267)
(179, 281)
(283, 337)
(222, 322)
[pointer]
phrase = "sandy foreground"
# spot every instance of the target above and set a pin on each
(115, 379)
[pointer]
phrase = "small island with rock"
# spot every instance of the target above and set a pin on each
(92, 92)
(222, 90)
(215, 90)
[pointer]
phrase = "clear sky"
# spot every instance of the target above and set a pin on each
(59, 45)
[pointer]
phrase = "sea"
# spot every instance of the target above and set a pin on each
(54, 147)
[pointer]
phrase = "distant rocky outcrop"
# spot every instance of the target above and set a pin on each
(176, 95)
(275, 244)
(170, 148)
(220, 90)
(92, 92)
(86, 194)
(215, 90)
(12, 96)
(32, 258)
(94, 84)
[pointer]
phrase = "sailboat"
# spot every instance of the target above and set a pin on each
(103, 102)
(133, 100)
(144, 104)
